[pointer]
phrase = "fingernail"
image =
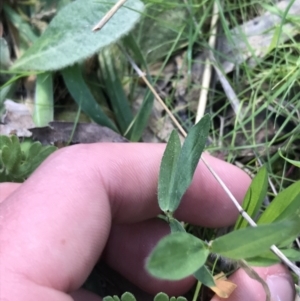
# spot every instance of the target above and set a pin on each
(281, 288)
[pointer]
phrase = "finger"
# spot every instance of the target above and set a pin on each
(60, 218)
(135, 191)
(277, 277)
(6, 189)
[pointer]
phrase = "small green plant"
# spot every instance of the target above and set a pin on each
(130, 297)
(19, 160)
(181, 254)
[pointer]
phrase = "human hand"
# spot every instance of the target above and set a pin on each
(85, 198)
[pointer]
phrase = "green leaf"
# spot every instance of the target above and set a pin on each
(35, 148)
(293, 162)
(128, 297)
(187, 162)
(4, 141)
(205, 277)
(251, 242)
(114, 88)
(108, 298)
(168, 171)
(161, 297)
(141, 118)
(44, 104)
(283, 205)
(69, 37)
(25, 31)
(182, 175)
(11, 154)
(269, 258)
(5, 61)
(254, 197)
(177, 256)
(33, 161)
(175, 225)
(84, 98)
(181, 299)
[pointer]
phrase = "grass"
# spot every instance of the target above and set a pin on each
(176, 33)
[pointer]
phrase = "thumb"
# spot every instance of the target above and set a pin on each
(277, 277)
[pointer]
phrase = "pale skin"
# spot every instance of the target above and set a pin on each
(87, 198)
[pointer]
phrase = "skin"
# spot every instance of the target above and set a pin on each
(88, 199)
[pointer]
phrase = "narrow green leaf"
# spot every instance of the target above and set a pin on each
(25, 31)
(205, 277)
(251, 242)
(187, 162)
(114, 89)
(141, 119)
(254, 197)
(285, 203)
(167, 172)
(128, 297)
(161, 297)
(69, 37)
(177, 256)
(5, 61)
(44, 104)
(176, 226)
(83, 97)
(269, 258)
(293, 162)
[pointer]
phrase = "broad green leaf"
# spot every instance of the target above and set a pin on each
(69, 37)
(167, 172)
(181, 299)
(83, 97)
(11, 154)
(251, 242)
(4, 141)
(175, 225)
(177, 256)
(34, 150)
(44, 104)
(284, 204)
(254, 197)
(33, 162)
(187, 162)
(114, 88)
(161, 297)
(294, 162)
(204, 276)
(128, 297)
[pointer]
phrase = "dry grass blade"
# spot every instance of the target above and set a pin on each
(208, 67)
(109, 14)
